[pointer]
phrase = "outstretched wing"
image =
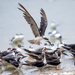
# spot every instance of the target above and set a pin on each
(43, 23)
(30, 21)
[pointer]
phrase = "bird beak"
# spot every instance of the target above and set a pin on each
(19, 54)
(50, 43)
(21, 57)
(63, 52)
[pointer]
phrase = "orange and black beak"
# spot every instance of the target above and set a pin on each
(50, 43)
(63, 52)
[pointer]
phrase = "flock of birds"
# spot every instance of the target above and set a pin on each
(47, 55)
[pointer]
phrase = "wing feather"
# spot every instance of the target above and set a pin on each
(30, 21)
(43, 23)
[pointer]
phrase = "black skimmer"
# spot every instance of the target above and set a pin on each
(14, 58)
(16, 63)
(37, 51)
(38, 63)
(72, 46)
(38, 32)
(52, 58)
(4, 53)
(71, 49)
(38, 56)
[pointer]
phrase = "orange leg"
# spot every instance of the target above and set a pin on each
(40, 69)
(55, 67)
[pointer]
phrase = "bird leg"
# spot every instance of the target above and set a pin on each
(38, 43)
(55, 67)
(40, 69)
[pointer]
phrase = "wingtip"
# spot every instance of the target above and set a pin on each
(41, 9)
(19, 3)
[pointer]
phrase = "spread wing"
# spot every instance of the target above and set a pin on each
(30, 21)
(43, 23)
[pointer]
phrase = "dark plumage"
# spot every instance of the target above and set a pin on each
(54, 62)
(72, 46)
(36, 63)
(43, 24)
(38, 32)
(34, 52)
(51, 57)
(14, 62)
(4, 53)
(71, 49)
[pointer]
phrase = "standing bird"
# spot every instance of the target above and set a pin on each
(38, 32)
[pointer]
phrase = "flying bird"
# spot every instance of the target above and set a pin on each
(38, 32)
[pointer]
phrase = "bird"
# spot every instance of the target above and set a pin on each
(38, 63)
(53, 25)
(72, 46)
(55, 34)
(17, 38)
(38, 32)
(15, 63)
(37, 51)
(4, 53)
(13, 58)
(52, 58)
(38, 56)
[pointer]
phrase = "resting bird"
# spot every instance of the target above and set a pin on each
(38, 32)
(4, 53)
(72, 46)
(71, 49)
(52, 58)
(38, 63)
(14, 59)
